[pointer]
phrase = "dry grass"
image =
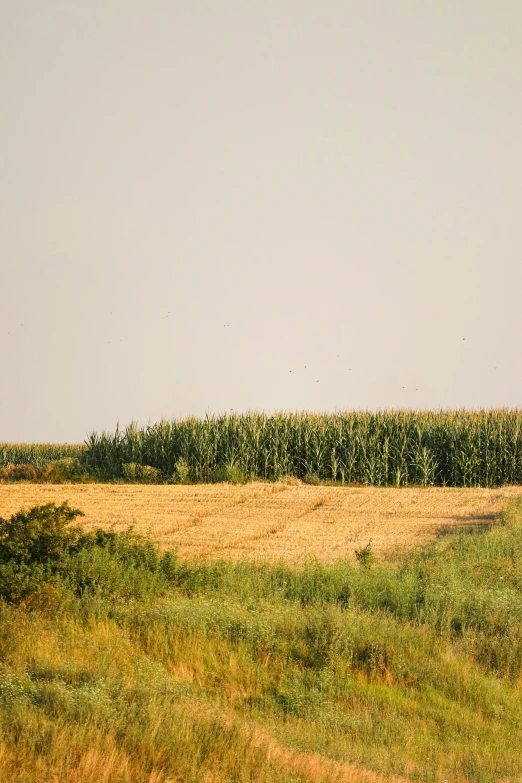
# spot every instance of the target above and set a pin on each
(318, 768)
(270, 521)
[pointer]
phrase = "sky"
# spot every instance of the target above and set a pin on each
(265, 205)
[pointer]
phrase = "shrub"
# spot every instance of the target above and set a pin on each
(41, 554)
(232, 474)
(365, 555)
(235, 475)
(141, 474)
(115, 565)
(32, 544)
(181, 472)
(291, 481)
(18, 473)
(62, 470)
(312, 479)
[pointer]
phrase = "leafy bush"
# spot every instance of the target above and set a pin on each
(141, 474)
(232, 474)
(32, 544)
(62, 470)
(41, 553)
(364, 556)
(101, 573)
(235, 475)
(181, 472)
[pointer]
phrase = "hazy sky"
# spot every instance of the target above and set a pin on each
(339, 182)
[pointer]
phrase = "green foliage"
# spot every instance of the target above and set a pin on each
(32, 545)
(387, 448)
(40, 535)
(140, 474)
(113, 565)
(40, 548)
(38, 455)
(365, 556)
(411, 667)
(182, 472)
(67, 469)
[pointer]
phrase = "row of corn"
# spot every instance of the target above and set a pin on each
(38, 455)
(387, 448)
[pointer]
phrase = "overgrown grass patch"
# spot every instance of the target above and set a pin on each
(123, 662)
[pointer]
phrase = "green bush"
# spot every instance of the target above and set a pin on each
(40, 549)
(141, 474)
(32, 545)
(364, 556)
(66, 469)
(181, 472)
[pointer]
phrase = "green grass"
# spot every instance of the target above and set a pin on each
(138, 667)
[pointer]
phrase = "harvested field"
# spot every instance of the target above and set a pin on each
(261, 521)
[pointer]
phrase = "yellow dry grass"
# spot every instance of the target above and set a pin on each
(318, 768)
(270, 522)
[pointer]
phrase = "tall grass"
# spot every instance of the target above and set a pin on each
(137, 667)
(39, 455)
(388, 448)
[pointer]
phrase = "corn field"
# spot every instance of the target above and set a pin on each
(387, 448)
(39, 455)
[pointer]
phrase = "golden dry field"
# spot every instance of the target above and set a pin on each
(270, 522)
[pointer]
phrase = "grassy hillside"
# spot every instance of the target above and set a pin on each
(120, 664)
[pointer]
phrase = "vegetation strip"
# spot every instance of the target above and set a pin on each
(118, 662)
(388, 448)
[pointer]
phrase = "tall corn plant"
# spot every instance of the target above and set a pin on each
(386, 448)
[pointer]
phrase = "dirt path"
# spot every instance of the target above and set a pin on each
(270, 521)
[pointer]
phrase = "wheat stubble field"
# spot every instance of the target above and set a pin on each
(271, 522)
